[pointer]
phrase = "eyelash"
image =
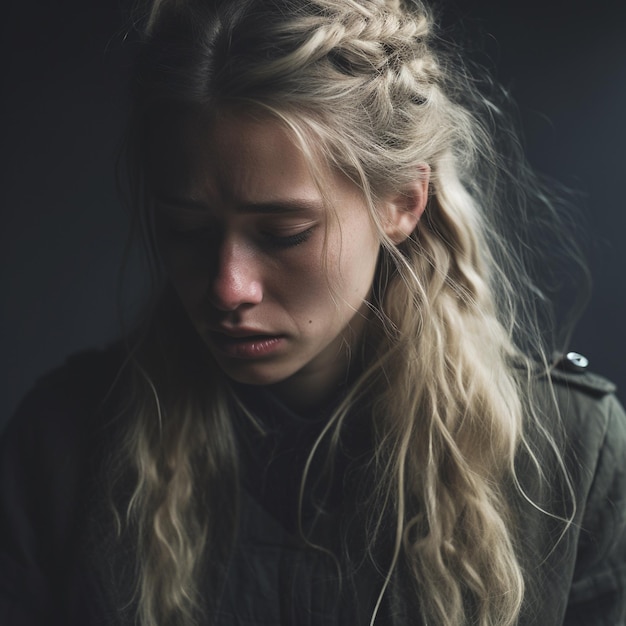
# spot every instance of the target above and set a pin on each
(195, 231)
(290, 241)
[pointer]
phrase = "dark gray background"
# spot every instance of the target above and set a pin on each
(63, 107)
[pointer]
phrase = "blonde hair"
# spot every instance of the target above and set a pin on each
(447, 376)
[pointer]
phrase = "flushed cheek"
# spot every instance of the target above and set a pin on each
(308, 301)
(325, 304)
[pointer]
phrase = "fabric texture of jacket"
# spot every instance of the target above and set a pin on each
(59, 561)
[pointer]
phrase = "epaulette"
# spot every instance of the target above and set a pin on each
(572, 369)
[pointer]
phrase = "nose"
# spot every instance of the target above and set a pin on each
(236, 282)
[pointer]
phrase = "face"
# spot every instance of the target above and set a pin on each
(273, 281)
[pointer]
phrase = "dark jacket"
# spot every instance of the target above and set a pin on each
(59, 561)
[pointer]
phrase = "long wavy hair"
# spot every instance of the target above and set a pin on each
(458, 322)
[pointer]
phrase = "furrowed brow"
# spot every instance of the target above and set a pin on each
(295, 205)
(290, 205)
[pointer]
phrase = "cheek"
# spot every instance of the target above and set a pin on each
(336, 288)
(303, 287)
(188, 259)
(355, 262)
(188, 274)
(358, 278)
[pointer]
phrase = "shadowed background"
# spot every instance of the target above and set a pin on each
(66, 70)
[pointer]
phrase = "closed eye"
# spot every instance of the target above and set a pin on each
(289, 241)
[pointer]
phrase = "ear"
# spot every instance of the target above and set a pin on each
(403, 209)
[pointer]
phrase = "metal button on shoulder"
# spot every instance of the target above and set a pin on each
(575, 362)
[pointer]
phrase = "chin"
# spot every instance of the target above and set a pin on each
(260, 374)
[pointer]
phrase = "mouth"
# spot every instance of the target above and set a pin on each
(246, 345)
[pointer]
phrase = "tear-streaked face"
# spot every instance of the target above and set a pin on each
(274, 283)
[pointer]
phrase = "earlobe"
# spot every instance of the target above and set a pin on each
(404, 208)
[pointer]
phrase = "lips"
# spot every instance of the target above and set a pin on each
(246, 343)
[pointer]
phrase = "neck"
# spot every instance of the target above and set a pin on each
(314, 387)
(307, 393)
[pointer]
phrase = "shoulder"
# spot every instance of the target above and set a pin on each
(594, 422)
(587, 402)
(65, 410)
(582, 416)
(590, 417)
(50, 455)
(571, 370)
(77, 388)
(60, 425)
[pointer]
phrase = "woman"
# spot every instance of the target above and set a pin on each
(341, 407)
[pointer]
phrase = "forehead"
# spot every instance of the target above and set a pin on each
(231, 157)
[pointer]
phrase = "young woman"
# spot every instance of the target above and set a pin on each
(342, 406)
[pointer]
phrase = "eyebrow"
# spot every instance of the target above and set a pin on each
(282, 206)
(289, 205)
